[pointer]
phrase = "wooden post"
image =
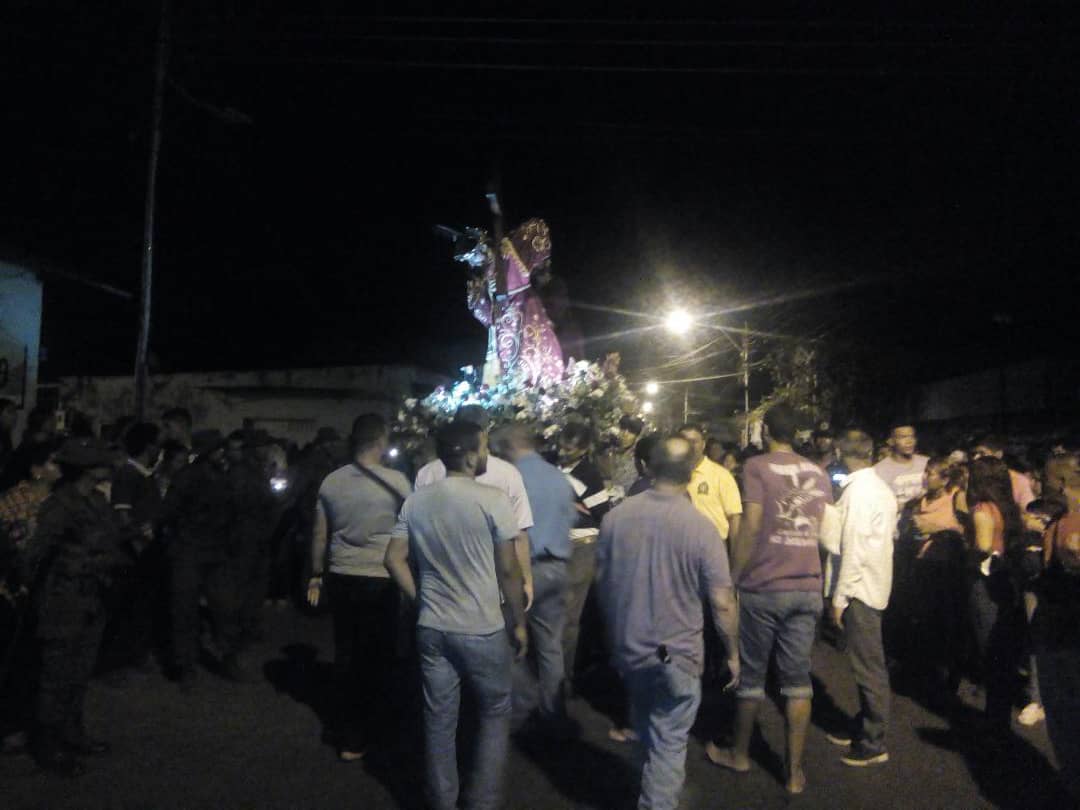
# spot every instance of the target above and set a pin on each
(744, 360)
(142, 349)
(497, 237)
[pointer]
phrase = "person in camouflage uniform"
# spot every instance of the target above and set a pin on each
(69, 561)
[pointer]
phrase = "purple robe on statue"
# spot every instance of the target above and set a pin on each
(521, 339)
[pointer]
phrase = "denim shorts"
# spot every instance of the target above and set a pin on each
(782, 620)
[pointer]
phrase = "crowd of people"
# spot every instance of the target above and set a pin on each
(709, 567)
(113, 549)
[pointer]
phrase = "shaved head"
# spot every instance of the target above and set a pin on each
(672, 461)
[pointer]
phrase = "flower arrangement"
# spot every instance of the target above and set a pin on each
(589, 392)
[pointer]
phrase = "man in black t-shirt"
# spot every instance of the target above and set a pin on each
(593, 502)
(135, 595)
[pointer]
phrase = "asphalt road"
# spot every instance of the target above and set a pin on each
(262, 745)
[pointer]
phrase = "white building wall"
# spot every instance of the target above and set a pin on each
(289, 403)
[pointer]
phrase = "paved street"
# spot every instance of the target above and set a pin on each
(261, 746)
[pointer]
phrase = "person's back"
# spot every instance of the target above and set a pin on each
(657, 554)
(552, 502)
(792, 492)
(199, 508)
(360, 514)
(450, 528)
(501, 475)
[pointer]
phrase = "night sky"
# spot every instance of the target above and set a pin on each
(922, 169)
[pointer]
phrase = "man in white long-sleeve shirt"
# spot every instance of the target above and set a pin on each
(868, 517)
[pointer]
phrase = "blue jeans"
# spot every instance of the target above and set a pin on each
(786, 620)
(546, 620)
(483, 662)
(664, 701)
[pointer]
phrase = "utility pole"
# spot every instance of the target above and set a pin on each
(686, 405)
(142, 349)
(744, 361)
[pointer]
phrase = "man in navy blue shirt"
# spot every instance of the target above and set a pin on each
(552, 500)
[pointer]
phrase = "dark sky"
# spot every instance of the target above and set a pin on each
(925, 165)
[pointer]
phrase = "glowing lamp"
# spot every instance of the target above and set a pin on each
(679, 322)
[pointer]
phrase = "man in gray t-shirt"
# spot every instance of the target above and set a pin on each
(459, 533)
(354, 513)
(453, 527)
(360, 512)
(658, 559)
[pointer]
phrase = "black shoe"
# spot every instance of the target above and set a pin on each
(860, 757)
(839, 738)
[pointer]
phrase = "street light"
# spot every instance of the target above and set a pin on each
(679, 322)
(652, 388)
(647, 407)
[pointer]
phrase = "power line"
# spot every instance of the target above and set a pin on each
(521, 67)
(689, 21)
(539, 41)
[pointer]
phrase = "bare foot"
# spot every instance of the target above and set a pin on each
(796, 782)
(622, 735)
(726, 758)
(351, 756)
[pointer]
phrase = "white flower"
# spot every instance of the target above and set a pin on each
(550, 431)
(597, 393)
(410, 403)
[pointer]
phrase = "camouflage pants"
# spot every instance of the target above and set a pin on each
(67, 664)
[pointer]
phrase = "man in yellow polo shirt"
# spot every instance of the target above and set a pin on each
(712, 488)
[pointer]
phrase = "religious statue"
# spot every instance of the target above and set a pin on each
(502, 294)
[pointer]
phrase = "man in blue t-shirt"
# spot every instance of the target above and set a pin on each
(658, 558)
(552, 500)
(460, 534)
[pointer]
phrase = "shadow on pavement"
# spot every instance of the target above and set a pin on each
(1008, 770)
(393, 761)
(585, 775)
(305, 679)
(825, 713)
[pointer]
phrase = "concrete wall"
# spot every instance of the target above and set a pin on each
(290, 403)
(20, 337)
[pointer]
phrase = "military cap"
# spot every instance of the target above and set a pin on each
(204, 442)
(85, 452)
